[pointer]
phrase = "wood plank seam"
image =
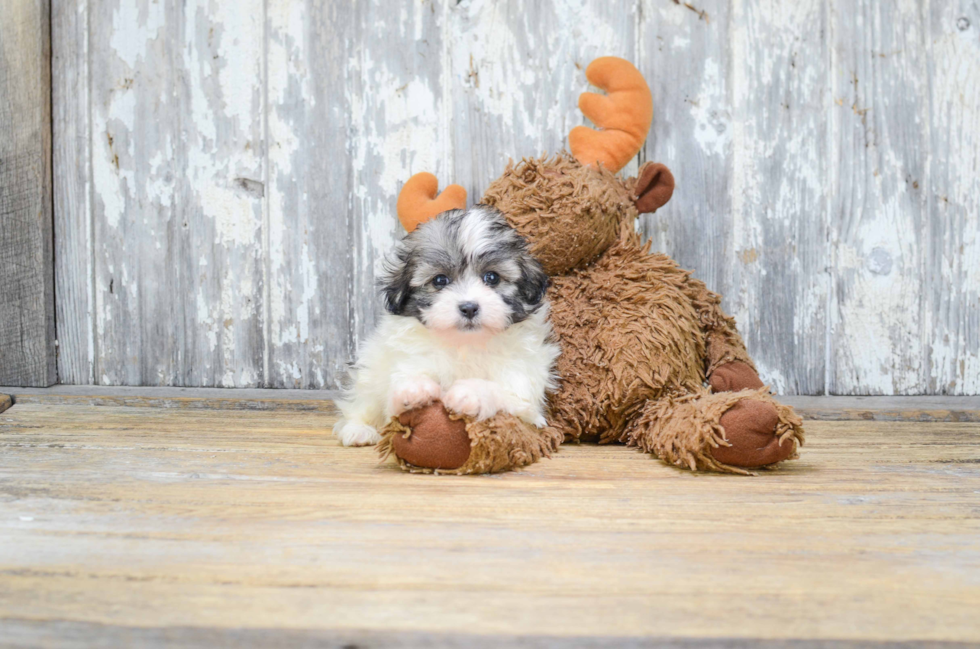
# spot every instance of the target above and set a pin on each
(921, 409)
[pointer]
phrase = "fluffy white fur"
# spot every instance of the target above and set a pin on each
(405, 365)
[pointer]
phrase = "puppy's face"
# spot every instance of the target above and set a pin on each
(464, 272)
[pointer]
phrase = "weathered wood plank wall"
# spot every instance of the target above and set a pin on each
(27, 305)
(226, 172)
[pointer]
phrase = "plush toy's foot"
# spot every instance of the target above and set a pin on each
(751, 429)
(435, 442)
(431, 439)
(735, 376)
(728, 432)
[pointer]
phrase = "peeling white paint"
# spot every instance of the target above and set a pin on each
(235, 221)
(712, 127)
(286, 68)
(134, 26)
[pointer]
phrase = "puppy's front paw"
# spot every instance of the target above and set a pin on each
(473, 397)
(353, 433)
(413, 393)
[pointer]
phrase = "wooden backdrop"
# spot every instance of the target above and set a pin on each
(225, 172)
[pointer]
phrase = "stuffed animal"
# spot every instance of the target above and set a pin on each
(648, 358)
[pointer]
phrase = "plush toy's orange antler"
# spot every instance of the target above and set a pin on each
(623, 115)
(417, 202)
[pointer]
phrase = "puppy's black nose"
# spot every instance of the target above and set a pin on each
(469, 309)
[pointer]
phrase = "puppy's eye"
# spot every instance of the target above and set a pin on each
(491, 278)
(440, 281)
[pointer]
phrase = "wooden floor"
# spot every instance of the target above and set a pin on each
(155, 526)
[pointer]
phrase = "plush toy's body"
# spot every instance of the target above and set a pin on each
(639, 337)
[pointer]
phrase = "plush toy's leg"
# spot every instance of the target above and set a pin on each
(727, 364)
(728, 431)
(430, 439)
(734, 376)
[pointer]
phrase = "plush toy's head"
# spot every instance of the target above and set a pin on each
(571, 208)
(569, 213)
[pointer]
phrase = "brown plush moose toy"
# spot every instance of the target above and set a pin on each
(648, 358)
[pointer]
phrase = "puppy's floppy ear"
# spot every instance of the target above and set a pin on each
(396, 282)
(396, 296)
(534, 281)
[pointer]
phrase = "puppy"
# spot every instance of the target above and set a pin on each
(466, 323)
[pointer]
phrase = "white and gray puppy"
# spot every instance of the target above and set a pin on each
(466, 323)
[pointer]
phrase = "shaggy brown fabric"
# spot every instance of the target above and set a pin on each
(732, 377)
(723, 344)
(627, 334)
(500, 443)
(570, 214)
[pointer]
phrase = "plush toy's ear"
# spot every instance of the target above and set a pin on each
(654, 187)
(417, 202)
(623, 115)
